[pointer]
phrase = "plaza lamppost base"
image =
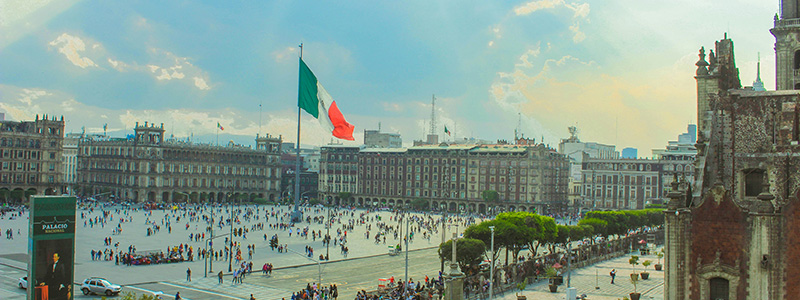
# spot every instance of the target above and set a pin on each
(297, 216)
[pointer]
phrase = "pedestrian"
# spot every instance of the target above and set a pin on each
(251, 297)
(188, 274)
(178, 296)
(613, 275)
(219, 275)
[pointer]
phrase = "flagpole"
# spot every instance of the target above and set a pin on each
(296, 214)
(217, 133)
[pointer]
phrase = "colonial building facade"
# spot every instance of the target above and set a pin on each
(615, 184)
(152, 169)
(30, 158)
(450, 177)
(732, 233)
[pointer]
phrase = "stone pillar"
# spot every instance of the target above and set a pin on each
(676, 240)
(454, 279)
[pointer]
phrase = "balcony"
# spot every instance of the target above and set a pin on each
(787, 23)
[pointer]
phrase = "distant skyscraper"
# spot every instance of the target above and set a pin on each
(631, 153)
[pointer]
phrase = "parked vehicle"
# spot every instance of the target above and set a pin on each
(23, 282)
(97, 285)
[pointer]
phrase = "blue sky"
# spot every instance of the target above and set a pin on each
(619, 70)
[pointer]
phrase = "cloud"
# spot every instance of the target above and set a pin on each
(580, 11)
(71, 46)
(553, 93)
(28, 95)
(117, 65)
(534, 6)
(285, 54)
(393, 107)
(200, 83)
(166, 66)
(579, 35)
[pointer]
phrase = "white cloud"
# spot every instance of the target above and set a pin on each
(28, 95)
(578, 36)
(393, 107)
(536, 5)
(285, 54)
(200, 83)
(71, 46)
(167, 66)
(118, 65)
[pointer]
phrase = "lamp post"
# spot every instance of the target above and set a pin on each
(210, 244)
(491, 266)
(444, 220)
(328, 224)
(408, 219)
(230, 250)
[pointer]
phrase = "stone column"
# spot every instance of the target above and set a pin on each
(454, 279)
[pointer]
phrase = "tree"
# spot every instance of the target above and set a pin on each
(598, 226)
(490, 196)
(481, 231)
(344, 196)
(469, 252)
(420, 204)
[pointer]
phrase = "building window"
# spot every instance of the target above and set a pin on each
(753, 181)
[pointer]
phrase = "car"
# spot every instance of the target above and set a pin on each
(97, 285)
(23, 282)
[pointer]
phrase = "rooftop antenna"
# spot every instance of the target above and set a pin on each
(105, 127)
(259, 117)
(433, 115)
(519, 126)
(379, 126)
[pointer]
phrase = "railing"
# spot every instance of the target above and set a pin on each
(787, 23)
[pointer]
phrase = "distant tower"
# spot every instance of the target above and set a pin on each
(433, 115)
(787, 46)
(758, 85)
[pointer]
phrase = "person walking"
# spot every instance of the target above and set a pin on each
(219, 275)
(188, 274)
(178, 296)
(251, 297)
(613, 275)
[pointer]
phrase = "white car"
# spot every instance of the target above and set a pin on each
(23, 282)
(96, 285)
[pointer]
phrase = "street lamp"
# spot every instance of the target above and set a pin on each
(230, 250)
(408, 219)
(491, 266)
(444, 219)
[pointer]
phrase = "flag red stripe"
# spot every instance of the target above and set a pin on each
(341, 129)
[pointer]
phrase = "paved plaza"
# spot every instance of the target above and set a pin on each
(161, 277)
(364, 265)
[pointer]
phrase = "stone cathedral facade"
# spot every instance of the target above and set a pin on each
(733, 233)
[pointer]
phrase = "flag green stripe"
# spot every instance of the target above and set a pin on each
(307, 93)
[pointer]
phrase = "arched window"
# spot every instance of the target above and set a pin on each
(797, 59)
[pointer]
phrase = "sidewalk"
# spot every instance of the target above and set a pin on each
(587, 278)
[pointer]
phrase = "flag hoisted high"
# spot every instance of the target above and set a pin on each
(446, 131)
(220, 126)
(313, 98)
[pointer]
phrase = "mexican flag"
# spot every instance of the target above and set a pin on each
(313, 98)
(446, 131)
(220, 126)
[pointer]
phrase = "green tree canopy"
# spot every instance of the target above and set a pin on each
(598, 226)
(490, 196)
(469, 252)
(420, 204)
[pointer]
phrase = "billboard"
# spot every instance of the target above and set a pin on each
(51, 248)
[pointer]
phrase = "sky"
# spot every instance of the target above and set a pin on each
(621, 71)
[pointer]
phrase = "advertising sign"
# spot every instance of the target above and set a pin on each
(51, 248)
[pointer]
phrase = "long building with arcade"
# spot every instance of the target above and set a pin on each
(148, 168)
